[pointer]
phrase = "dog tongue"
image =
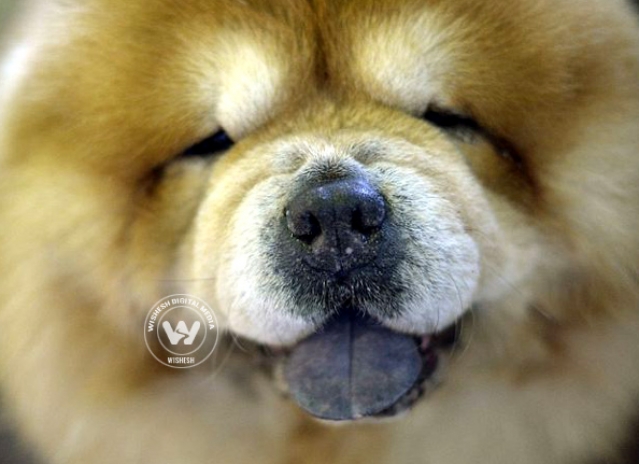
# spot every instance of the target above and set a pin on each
(351, 369)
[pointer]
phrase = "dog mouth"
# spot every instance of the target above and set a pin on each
(355, 368)
(429, 348)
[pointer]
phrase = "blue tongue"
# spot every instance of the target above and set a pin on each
(353, 368)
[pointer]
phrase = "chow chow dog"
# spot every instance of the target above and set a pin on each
(416, 223)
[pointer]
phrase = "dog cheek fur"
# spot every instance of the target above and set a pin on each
(243, 284)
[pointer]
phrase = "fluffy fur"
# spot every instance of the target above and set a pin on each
(533, 222)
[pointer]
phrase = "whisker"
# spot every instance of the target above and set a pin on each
(471, 331)
(459, 323)
(530, 305)
(227, 356)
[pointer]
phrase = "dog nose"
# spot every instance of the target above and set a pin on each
(338, 221)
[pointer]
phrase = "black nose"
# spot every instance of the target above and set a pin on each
(338, 221)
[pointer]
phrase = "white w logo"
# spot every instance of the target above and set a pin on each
(181, 331)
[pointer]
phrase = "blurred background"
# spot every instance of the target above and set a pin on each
(6, 7)
(11, 450)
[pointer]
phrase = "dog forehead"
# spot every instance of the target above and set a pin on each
(274, 57)
(245, 79)
(401, 60)
(209, 64)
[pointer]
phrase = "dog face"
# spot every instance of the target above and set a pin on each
(342, 216)
(289, 161)
(417, 267)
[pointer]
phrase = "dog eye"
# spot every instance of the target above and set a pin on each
(467, 129)
(450, 121)
(216, 143)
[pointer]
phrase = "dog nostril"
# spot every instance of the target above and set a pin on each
(305, 227)
(368, 219)
(345, 213)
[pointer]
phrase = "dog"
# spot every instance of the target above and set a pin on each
(411, 228)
